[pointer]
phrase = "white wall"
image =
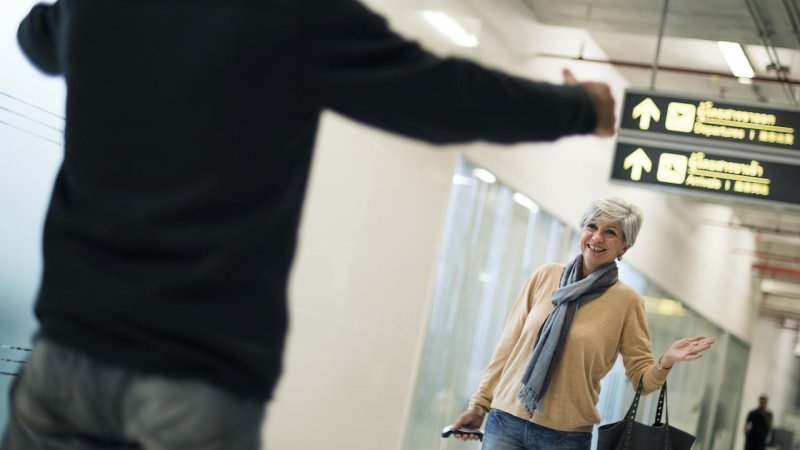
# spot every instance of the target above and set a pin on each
(360, 289)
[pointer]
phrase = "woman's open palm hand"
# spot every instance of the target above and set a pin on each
(687, 349)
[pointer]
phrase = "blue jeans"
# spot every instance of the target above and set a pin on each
(63, 400)
(507, 432)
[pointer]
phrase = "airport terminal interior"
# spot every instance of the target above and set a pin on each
(410, 254)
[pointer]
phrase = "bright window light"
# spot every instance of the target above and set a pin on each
(450, 28)
(484, 175)
(524, 201)
(736, 59)
(461, 179)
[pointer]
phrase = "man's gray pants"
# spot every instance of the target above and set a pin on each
(64, 400)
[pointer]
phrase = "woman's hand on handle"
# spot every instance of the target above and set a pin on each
(686, 349)
(467, 419)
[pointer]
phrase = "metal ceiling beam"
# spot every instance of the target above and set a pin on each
(674, 69)
(775, 270)
(794, 18)
(664, 11)
(766, 41)
(778, 316)
(786, 295)
(768, 256)
(781, 313)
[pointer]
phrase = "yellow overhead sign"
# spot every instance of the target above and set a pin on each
(701, 171)
(711, 119)
(698, 171)
(709, 146)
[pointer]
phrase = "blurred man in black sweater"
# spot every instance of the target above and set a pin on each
(173, 219)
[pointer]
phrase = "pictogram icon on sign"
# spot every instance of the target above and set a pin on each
(680, 117)
(645, 111)
(637, 161)
(672, 168)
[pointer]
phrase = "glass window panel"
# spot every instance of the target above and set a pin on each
(487, 254)
(731, 381)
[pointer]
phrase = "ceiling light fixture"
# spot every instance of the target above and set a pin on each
(736, 59)
(450, 28)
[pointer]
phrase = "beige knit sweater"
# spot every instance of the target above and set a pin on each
(614, 323)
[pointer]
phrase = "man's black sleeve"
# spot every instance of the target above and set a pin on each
(355, 65)
(37, 37)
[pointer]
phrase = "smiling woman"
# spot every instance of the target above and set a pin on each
(600, 244)
(609, 228)
(562, 337)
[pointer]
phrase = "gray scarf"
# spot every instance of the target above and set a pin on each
(571, 293)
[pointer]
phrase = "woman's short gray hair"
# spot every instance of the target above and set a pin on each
(617, 211)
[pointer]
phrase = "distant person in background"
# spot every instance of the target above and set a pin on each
(757, 426)
(190, 128)
(563, 335)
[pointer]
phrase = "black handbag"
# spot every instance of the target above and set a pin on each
(627, 434)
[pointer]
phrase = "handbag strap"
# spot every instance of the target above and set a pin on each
(631, 414)
(661, 410)
(662, 407)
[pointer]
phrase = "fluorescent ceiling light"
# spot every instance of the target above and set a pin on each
(450, 28)
(524, 201)
(736, 59)
(484, 175)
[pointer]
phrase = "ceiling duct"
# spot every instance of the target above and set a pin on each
(765, 35)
